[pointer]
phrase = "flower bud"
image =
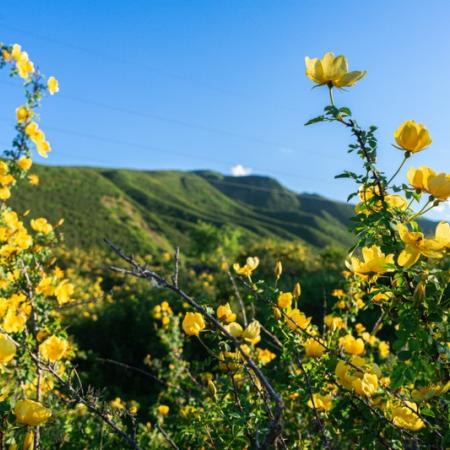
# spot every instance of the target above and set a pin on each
(297, 290)
(278, 269)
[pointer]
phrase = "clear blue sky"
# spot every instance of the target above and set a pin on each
(212, 84)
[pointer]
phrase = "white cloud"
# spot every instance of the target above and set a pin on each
(240, 171)
(440, 212)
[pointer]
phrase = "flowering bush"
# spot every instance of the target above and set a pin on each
(244, 360)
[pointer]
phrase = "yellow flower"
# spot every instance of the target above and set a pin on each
(225, 314)
(250, 266)
(332, 70)
(28, 442)
(334, 322)
(375, 261)
(118, 403)
(352, 345)
(193, 323)
(265, 356)
(23, 64)
(367, 385)
(52, 85)
(41, 226)
(163, 410)
(297, 291)
(53, 348)
(23, 114)
(29, 412)
(383, 349)
(7, 349)
(412, 136)
(313, 348)
(321, 402)
(24, 163)
(252, 333)
(234, 329)
(406, 417)
(416, 245)
(278, 270)
(285, 300)
(63, 292)
(33, 179)
(5, 193)
(426, 179)
(297, 319)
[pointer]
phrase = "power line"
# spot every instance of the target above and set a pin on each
(186, 124)
(128, 144)
(170, 74)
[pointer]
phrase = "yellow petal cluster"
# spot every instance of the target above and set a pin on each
(374, 261)
(7, 349)
(52, 85)
(321, 402)
(41, 225)
(225, 313)
(252, 334)
(331, 70)
(250, 266)
(426, 179)
(404, 416)
(193, 323)
(23, 64)
(53, 348)
(416, 244)
(352, 345)
(313, 348)
(297, 319)
(265, 356)
(285, 300)
(412, 136)
(37, 136)
(29, 412)
(359, 376)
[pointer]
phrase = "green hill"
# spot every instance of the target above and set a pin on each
(145, 210)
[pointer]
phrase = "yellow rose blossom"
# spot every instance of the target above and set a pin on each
(426, 179)
(265, 356)
(366, 385)
(352, 345)
(63, 292)
(29, 412)
(234, 329)
(285, 300)
(163, 410)
(24, 163)
(406, 417)
(53, 348)
(225, 314)
(334, 322)
(383, 349)
(23, 114)
(252, 333)
(374, 261)
(33, 179)
(320, 402)
(193, 323)
(7, 349)
(313, 348)
(412, 136)
(296, 319)
(52, 85)
(250, 266)
(5, 193)
(41, 226)
(416, 244)
(331, 70)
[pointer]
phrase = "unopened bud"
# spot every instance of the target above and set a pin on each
(212, 388)
(297, 290)
(276, 313)
(278, 269)
(419, 292)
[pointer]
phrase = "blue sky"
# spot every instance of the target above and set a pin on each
(215, 84)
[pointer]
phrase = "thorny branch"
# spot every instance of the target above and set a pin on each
(137, 270)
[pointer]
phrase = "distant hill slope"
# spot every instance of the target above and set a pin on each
(144, 210)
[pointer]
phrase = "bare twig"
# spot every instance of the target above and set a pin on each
(177, 267)
(275, 427)
(166, 437)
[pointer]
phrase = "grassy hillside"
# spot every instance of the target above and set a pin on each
(145, 210)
